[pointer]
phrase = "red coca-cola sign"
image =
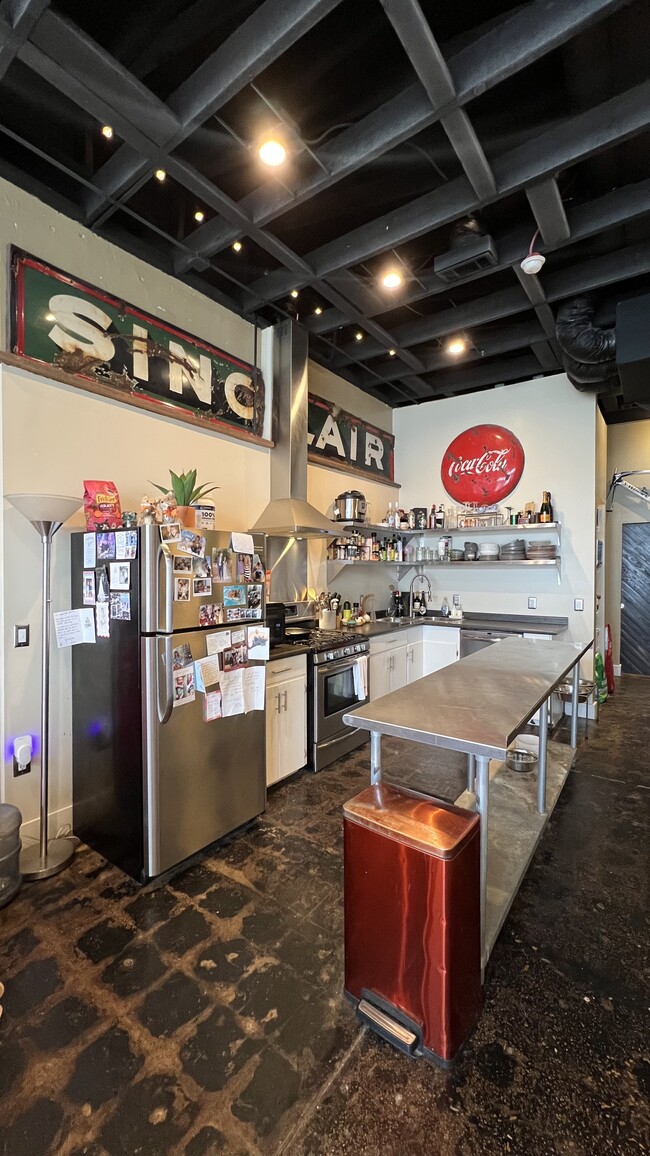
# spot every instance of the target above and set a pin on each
(483, 464)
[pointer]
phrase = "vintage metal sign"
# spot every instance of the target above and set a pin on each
(86, 332)
(338, 439)
(483, 464)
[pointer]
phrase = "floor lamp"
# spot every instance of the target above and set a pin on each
(47, 513)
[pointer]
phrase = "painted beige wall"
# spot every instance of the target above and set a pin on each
(628, 448)
(556, 425)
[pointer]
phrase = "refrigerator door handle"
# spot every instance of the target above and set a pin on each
(169, 592)
(164, 713)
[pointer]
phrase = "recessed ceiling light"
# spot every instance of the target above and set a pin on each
(50, 317)
(392, 279)
(391, 352)
(107, 131)
(358, 335)
(318, 310)
(237, 246)
(160, 175)
(199, 215)
(272, 152)
(294, 292)
(456, 346)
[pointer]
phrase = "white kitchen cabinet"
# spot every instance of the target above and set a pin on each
(414, 660)
(388, 665)
(286, 717)
(441, 647)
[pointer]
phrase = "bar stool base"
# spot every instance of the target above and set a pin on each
(60, 852)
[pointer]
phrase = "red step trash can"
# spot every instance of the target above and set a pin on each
(413, 919)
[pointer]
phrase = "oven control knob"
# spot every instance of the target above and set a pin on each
(348, 650)
(330, 656)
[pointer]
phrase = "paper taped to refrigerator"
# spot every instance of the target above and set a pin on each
(74, 626)
(254, 680)
(217, 642)
(232, 693)
(207, 672)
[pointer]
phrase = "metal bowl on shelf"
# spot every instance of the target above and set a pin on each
(520, 760)
(585, 690)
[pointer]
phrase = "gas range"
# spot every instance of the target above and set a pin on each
(329, 645)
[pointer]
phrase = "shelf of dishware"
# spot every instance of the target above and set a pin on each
(521, 528)
(477, 564)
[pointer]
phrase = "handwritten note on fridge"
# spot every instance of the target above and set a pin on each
(74, 626)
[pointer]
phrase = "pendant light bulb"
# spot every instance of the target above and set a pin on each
(160, 175)
(107, 131)
(272, 152)
(392, 279)
(237, 246)
(456, 346)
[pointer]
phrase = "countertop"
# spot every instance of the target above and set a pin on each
(531, 624)
(285, 650)
(476, 705)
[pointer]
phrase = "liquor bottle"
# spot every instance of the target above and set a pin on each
(440, 517)
(432, 518)
(375, 549)
(546, 509)
(399, 551)
(390, 517)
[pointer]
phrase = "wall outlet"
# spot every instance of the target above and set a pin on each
(532, 604)
(578, 603)
(21, 635)
(23, 750)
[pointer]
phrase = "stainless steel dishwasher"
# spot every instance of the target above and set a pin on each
(473, 640)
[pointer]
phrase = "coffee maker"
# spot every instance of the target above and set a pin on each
(398, 604)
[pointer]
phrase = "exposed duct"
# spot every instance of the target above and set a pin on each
(589, 351)
(289, 514)
(471, 251)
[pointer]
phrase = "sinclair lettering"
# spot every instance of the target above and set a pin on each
(83, 331)
(342, 440)
(483, 464)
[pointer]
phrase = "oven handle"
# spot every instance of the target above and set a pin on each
(334, 667)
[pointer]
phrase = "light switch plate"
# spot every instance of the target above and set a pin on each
(578, 603)
(532, 604)
(21, 635)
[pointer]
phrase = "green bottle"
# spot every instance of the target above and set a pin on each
(601, 681)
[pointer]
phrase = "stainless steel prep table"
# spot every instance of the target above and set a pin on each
(478, 706)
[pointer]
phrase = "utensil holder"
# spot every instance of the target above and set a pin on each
(327, 620)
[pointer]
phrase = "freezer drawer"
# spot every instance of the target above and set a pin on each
(201, 780)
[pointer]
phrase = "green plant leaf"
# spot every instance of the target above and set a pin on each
(202, 492)
(163, 489)
(178, 487)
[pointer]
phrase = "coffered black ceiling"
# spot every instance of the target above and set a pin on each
(401, 118)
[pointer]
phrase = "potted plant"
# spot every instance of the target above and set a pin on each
(186, 494)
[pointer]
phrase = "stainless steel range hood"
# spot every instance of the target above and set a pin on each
(289, 514)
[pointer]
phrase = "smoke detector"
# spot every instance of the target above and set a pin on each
(533, 263)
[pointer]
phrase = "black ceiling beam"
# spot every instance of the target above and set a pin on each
(606, 124)
(17, 20)
(520, 335)
(546, 356)
(268, 32)
(545, 201)
(621, 265)
(418, 41)
(525, 36)
(449, 382)
(597, 216)
(97, 70)
(534, 290)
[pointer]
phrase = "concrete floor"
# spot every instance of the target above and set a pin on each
(206, 1016)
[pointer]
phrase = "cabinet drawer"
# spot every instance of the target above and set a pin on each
(282, 668)
(388, 641)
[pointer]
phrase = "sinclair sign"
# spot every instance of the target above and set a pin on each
(86, 332)
(338, 439)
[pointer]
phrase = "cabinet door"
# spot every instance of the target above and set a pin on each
(414, 661)
(273, 716)
(379, 669)
(439, 653)
(398, 671)
(293, 726)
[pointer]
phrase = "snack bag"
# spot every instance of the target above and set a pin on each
(102, 505)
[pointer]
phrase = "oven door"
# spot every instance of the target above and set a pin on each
(335, 695)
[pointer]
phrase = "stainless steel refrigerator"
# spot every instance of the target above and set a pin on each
(152, 781)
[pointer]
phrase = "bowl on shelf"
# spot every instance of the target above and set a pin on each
(488, 551)
(520, 760)
(457, 555)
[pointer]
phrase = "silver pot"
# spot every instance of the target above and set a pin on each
(350, 507)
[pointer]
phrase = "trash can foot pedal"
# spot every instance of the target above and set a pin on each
(388, 1028)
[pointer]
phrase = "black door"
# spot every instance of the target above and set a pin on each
(635, 599)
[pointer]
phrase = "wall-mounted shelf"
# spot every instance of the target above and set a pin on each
(336, 565)
(346, 528)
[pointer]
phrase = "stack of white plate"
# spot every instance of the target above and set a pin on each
(541, 551)
(514, 551)
(488, 552)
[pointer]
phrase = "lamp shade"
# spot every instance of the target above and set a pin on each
(45, 507)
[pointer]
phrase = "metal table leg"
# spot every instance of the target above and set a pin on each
(471, 772)
(375, 757)
(541, 762)
(574, 705)
(482, 793)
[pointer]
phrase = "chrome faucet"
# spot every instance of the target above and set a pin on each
(418, 578)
